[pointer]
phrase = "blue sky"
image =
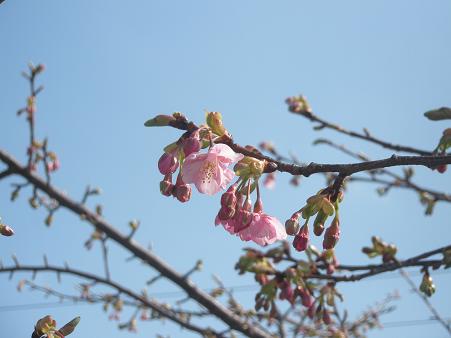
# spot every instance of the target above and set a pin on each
(113, 64)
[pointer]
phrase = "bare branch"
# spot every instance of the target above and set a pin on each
(203, 298)
(162, 310)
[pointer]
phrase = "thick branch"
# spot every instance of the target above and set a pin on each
(428, 160)
(5, 173)
(121, 289)
(203, 298)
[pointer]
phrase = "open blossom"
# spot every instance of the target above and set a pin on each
(263, 230)
(209, 172)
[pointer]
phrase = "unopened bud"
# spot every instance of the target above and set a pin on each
(167, 164)
(318, 224)
(427, 285)
(49, 220)
(166, 186)
(214, 121)
(332, 235)
(226, 213)
(306, 298)
(441, 168)
(159, 121)
(33, 202)
(191, 144)
(292, 225)
(44, 325)
(69, 327)
(228, 199)
(182, 192)
(326, 317)
(6, 230)
(301, 239)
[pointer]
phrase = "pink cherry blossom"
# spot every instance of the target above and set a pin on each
(209, 172)
(263, 230)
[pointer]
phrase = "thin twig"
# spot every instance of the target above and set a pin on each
(426, 301)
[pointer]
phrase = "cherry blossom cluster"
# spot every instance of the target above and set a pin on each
(292, 284)
(199, 158)
(323, 206)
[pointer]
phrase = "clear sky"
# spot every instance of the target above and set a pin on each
(113, 64)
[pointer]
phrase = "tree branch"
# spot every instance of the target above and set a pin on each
(427, 160)
(163, 311)
(363, 136)
(203, 298)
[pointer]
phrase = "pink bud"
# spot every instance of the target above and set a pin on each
(6, 230)
(286, 292)
(301, 239)
(292, 224)
(441, 168)
(167, 164)
(53, 165)
(326, 317)
(228, 199)
(166, 186)
(191, 144)
(226, 213)
(243, 216)
(306, 298)
(181, 190)
(183, 193)
(332, 235)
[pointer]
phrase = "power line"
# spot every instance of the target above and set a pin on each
(22, 307)
(415, 322)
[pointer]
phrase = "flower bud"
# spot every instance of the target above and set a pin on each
(326, 317)
(228, 199)
(45, 325)
(31, 105)
(69, 327)
(167, 164)
(292, 224)
(427, 285)
(6, 230)
(159, 121)
(332, 235)
(166, 186)
(306, 298)
(181, 190)
(286, 292)
(301, 239)
(191, 144)
(441, 168)
(39, 68)
(318, 224)
(214, 121)
(226, 213)
(243, 216)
